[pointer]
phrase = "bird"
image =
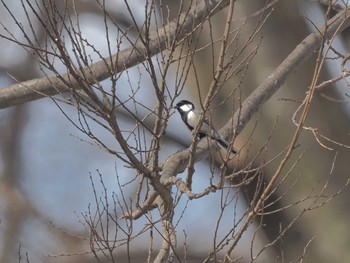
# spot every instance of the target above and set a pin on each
(190, 117)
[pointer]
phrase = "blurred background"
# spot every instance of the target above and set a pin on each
(49, 171)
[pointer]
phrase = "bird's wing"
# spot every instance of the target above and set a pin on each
(209, 129)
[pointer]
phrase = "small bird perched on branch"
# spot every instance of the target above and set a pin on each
(191, 118)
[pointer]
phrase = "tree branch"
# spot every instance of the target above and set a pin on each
(176, 30)
(177, 163)
(277, 78)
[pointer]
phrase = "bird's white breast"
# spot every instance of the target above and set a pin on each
(192, 118)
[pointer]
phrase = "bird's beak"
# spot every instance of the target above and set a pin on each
(176, 107)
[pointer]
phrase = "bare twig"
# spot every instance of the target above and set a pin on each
(38, 88)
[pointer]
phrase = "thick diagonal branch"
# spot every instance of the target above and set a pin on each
(176, 31)
(262, 93)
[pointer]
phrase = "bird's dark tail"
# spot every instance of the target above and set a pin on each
(223, 143)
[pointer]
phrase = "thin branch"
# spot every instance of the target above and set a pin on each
(34, 89)
(177, 163)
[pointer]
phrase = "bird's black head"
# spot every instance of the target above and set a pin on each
(184, 106)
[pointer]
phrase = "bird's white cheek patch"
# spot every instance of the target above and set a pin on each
(185, 108)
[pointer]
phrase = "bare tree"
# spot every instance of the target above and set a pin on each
(166, 49)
